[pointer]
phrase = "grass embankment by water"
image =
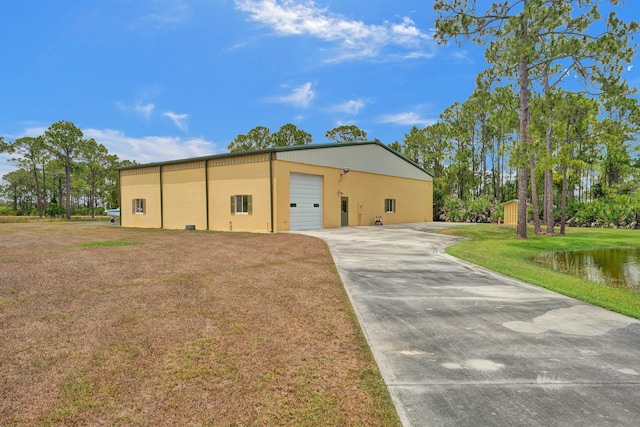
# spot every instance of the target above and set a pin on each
(103, 325)
(495, 247)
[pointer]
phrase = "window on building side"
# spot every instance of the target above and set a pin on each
(139, 206)
(389, 205)
(241, 204)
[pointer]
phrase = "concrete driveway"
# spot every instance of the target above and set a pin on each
(458, 345)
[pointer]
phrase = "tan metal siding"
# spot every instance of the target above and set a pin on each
(366, 193)
(184, 195)
(141, 183)
(239, 179)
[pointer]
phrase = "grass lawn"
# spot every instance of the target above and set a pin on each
(7, 219)
(494, 247)
(102, 325)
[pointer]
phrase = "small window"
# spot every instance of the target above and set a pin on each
(139, 206)
(241, 204)
(389, 205)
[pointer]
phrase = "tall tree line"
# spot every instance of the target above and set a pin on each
(550, 53)
(581, 148)
(60, 165)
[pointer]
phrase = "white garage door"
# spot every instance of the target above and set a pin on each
(305, 202)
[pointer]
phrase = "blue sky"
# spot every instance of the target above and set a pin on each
(156, 80)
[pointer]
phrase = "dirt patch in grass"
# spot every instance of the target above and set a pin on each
(178, 328)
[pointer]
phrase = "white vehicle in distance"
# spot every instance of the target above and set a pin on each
(113, 213)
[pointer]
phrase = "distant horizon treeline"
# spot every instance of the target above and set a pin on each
(59, 173)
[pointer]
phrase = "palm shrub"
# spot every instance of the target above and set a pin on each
(621, 211)
(479, 210)
(453, 210)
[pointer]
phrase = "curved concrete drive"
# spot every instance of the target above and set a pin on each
(458, 345)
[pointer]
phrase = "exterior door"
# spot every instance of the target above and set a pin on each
(344, 211)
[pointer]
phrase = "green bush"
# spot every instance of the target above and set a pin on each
(453, 210)
(572, 210)
(618, 212)
(7, 210)
(81, 211)
(55, 210)
(479, 210)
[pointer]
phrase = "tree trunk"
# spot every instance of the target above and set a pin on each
(563, 202)
(500, 169)
(44, 189)
(548, 201)
(548, 172)
(565, 185)
(15, 197)
(67, 176)
(92, 198)
(483, 157)
(521, 229)
(534, 194)
(38, 192)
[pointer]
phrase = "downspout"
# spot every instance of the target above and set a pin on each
(161, 201)
(206, 189)
(271, 186)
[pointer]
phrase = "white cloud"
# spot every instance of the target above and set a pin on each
(299, 97)
(409, 118)
(352, 39)
(180, 120)
(145, 149)
(5, 166)
(351, 107)
(239, 45)
(168, 13)
(151, 148)
(460, 55)
(34, 131)
(143, 110)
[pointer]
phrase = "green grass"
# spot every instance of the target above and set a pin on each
(496, 248)
(21, 219)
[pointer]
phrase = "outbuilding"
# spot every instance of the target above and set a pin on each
(511, 211)
(278, 189)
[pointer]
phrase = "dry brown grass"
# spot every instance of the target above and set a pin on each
(112, 326)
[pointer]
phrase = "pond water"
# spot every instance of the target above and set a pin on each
(616, 267)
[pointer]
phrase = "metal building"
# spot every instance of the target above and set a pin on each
(278, 189)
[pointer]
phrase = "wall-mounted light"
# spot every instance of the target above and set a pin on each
(344, 172)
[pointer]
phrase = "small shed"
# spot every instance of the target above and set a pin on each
(511, 212)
